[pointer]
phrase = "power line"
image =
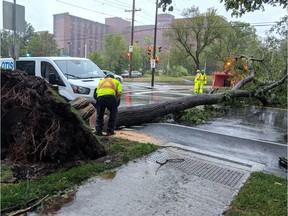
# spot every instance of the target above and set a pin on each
(105, 3)
(85, 8)
(168, 28)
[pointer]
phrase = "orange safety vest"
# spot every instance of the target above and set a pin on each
(107, 86)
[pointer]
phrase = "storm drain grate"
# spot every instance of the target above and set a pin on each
(199, 168)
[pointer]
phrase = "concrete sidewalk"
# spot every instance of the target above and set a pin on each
(196, 183)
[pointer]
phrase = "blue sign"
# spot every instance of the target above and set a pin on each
(7, 65)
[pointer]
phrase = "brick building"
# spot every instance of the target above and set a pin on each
(77, 36)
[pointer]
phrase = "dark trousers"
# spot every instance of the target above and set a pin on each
(103, 102)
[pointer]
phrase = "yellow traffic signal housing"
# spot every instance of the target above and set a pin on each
(157, 59)
(149, 48)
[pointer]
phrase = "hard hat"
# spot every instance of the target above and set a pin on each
(197, 71)
(202, 71)
(110, 75)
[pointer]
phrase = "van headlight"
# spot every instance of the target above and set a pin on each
(80, 89)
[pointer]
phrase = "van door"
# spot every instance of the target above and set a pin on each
(48, 70)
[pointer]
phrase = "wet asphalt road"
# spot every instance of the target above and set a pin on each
(254, 134)
(225, 146)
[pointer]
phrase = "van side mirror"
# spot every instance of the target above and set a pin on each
(52, 79)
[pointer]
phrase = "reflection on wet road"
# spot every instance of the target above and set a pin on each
(135, 94)
(258, 123)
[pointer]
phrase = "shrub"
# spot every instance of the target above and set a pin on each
(178, 71)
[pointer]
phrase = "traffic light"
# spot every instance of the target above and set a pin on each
(159, 49)
(149, 50)
(157, 59)
(128, 55)
(27, 54)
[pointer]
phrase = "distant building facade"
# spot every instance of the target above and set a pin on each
(76, 36)
(72, 34)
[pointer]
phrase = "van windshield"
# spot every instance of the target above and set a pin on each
(79, 69)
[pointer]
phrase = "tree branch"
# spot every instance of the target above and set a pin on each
(275, 84)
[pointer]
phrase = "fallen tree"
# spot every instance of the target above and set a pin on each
(38, 126)
(129, 116)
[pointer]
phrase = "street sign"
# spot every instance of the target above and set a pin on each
(153, 63)
(8, 16)
(130, 48)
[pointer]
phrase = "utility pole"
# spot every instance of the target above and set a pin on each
(132, 38)
(14, 35)
(153, 65)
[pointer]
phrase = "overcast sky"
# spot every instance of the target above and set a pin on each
(39, 13)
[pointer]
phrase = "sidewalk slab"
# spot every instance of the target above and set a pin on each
(190, 185)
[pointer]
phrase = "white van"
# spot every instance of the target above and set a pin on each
(75, 77)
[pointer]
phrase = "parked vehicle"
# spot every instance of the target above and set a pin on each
(74, 77)
(134, 74)
(119, 78)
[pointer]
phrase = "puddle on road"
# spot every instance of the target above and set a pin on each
(108, 175)
(55, 204)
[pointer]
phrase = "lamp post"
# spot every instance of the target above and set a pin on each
(85, 39)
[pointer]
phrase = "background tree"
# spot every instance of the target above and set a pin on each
(42, 44)
(241, 7)
(238, 7)
(178, 56)
(137, 57)
(197, 32)
(115, 54)
(97, 58)
(25, 38)
(22, 40)
(239, 38)
(6, 39)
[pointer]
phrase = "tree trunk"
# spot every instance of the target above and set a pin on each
(129, 116)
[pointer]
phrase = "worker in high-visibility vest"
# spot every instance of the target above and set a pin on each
(202, 81)
(108, 92)
(199, 81)
(196, 82)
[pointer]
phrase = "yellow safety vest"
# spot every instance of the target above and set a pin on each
(201, 78)
(108, 86)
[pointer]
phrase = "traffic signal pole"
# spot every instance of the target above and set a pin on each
(153, 64)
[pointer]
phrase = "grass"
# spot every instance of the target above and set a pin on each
(119, 151)
(6, 173)
(263, 194)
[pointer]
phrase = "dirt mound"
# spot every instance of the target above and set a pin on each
(38, 126)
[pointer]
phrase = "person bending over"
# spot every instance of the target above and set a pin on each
(108, 92)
